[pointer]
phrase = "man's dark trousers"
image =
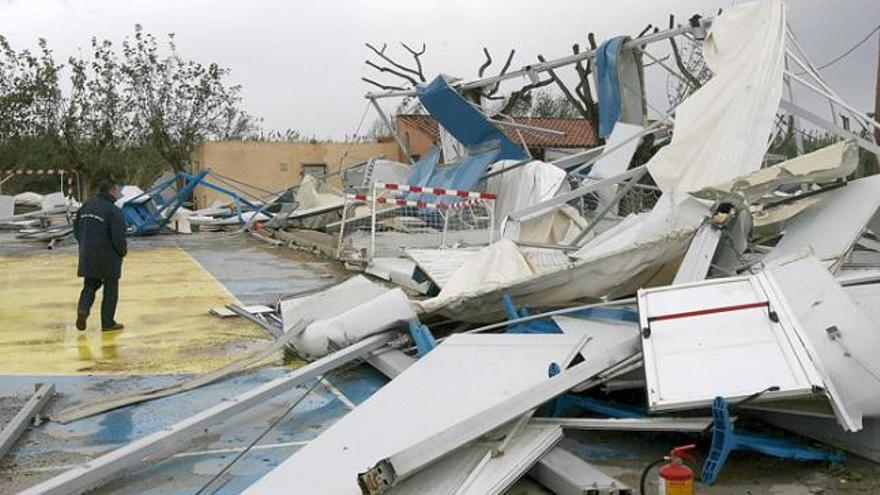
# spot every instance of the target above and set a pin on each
(108, 301)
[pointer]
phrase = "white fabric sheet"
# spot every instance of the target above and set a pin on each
(493, 267)
(722, 130)
(523, 186)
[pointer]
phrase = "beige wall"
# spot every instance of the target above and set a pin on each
(275, 166)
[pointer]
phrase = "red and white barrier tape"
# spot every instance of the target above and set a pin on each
(411, 203)
(438, 191)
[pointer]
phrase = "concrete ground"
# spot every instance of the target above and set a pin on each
(169, 285)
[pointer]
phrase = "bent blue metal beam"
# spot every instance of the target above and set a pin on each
(462, 120)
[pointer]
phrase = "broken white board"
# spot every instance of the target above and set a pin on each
(224, 312)
(622, 144)
(495, 477)
(831, 227)
(718, 338)
(822, 166)
(330, 302)
(463, 376)
(838, 336)
(605, 336)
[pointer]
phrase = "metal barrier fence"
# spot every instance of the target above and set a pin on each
(414, 216)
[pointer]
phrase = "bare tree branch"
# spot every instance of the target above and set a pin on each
(382, 86)
(417, 56)
(392, 71)
(645, 31)
(381, 54)
(486, 64)
(494, 88)
(520, 93)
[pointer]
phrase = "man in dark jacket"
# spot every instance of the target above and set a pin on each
(100, 231)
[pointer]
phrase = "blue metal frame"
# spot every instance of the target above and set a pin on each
(149, 217)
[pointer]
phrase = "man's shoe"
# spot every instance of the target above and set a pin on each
(81, 317)
(115, 326)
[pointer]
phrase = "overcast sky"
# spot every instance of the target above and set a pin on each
(300, 62)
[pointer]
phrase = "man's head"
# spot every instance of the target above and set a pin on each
(109, 188)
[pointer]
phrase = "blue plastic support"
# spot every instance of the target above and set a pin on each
(544, 325)
(725, 440)
(605, 408)
(422, 336)
(462, 120)
(608, 82)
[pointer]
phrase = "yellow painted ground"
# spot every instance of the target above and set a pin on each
(164, 298)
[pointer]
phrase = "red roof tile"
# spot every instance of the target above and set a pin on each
(578, 132)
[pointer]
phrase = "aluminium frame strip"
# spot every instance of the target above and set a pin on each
(517, 427)
(659, 423)
(386, 473)
(23, 418)
(564, 473)
(104, 468)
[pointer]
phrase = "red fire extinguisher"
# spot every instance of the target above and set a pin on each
(675, 477)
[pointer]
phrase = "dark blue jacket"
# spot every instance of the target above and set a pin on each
(100, 231)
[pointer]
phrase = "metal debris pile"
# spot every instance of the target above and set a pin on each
(518, 300)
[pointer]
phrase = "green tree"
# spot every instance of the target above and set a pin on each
(179, 103)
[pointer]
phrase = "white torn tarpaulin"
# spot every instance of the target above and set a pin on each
(722, 129)
(461, 377)
(330, 302)
(386, 311)
(557, 226)
(791, 327)
(830, 228)
(493, 267)
(523, 186)
(610, 274)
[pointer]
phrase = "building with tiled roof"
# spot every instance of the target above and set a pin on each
(420, 133)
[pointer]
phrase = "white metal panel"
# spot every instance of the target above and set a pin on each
(839, 338)
(831, 227)
(605, 335)
(447, 476)
(725, 349)
(867, 298)
(462, 377)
